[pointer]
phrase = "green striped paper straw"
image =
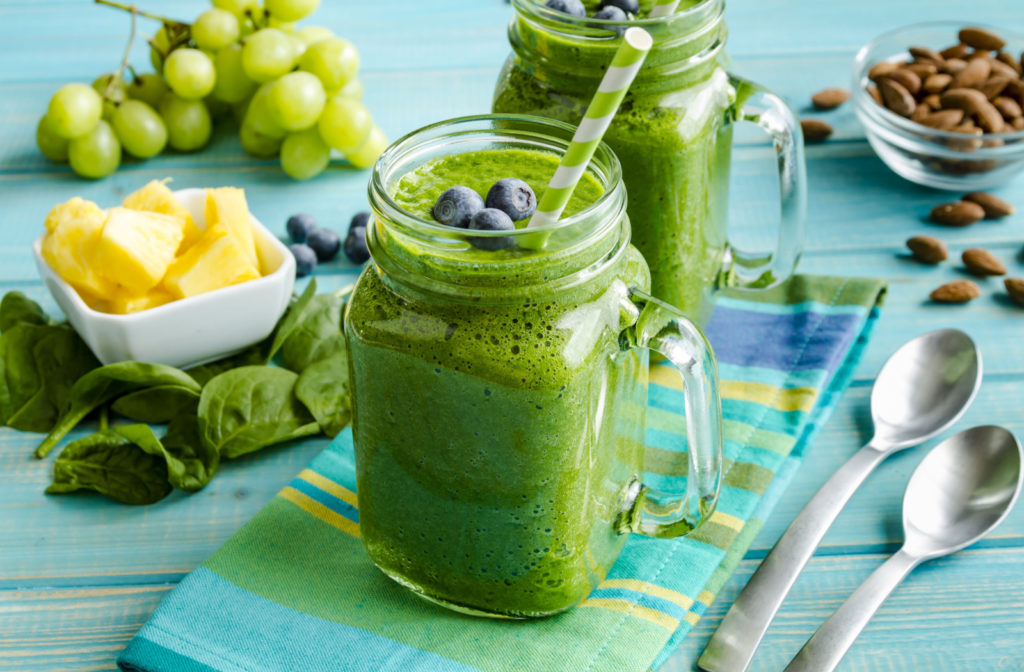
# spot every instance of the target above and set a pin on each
(626, 63)
(663, 8)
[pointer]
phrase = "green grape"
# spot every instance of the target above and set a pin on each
(215, 29)
(344, 124)
(259, 117)
(313, 34)
(257, 144)
(237, 7)
(149, 88)
(95, 154)
(140, 129)
(367, 155)
(353, 89)
(74, 110)
(190, 73)
(334, 61)
(296, 100)
(233, 85)
(268, 54)
(291, 10)
(304, 154)
(112, 89)
(160, 45)
(283, 26)
(53, 147)
(188, 122)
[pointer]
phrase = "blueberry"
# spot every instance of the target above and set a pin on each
(627, 6)
(361, 219)
(325, 243)
(355, 245)
(610, 13)
(513, 197)
(300, 226)
(456, 206)
(570, 7)
(491, 219)
(305, 259)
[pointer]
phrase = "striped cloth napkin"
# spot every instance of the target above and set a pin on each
(294, 589)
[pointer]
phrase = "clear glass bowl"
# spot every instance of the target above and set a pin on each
(934, 158)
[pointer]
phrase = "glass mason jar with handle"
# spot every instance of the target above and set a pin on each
(673, 135)
(499, 396)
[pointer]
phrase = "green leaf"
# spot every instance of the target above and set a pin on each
(190, 464)
(248, 357)
(252, 407)
(110, 382)
(113, 466)
(318, 334)
(323, 388)
(158, 405)
(16, 308)
(290, 320)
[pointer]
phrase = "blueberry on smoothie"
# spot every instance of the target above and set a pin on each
(611, 13)
(513, 197)
(355, 245)
(627, 6)
(300, 226)
(305, 258)
(570, 7)
(456, 206)
(325, 243)
(491, 219)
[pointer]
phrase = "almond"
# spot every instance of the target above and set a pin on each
(956, 51)
(1015, 288)
(981, 262)
(944, 120)
(1000, 68)
(994, 207)
(908, 79)
(967, 100)
(921, 113)
(981, 39)
(937, 83)
(1004, 57)
(926, 54)
(979, 54)
(815, 130)
(882, 68)
(1008, 107)
(976, 72)
(922, 69)
(1018, 124)
(873, 92)
(927, 249)
(993, 86)
(829, 99)
(896, 97)
(954, 66)
(933, 101)
(989, 118)
(960, 213)
(958, 291)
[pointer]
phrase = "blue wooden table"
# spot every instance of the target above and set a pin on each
(79, 575)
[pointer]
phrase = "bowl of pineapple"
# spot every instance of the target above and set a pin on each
(171, 277)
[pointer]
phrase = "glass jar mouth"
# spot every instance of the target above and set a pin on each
(702, 12)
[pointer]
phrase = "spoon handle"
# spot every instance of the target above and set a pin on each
(824, 651)
(733, 645)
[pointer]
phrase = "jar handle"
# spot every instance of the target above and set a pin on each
(665, 330)
(759, 270)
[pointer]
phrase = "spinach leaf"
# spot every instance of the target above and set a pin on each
(112, 465)
(109, 382)
(290, 320)
(250, 408)
(206, 372)
(16, 308)
(323, 388)
(318, 334)
(158, 405)
(190, 464)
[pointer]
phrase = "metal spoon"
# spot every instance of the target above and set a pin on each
(922, 389)
(962, 490)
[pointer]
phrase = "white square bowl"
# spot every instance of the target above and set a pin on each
(192, 331)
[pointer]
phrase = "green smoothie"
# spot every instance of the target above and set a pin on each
(495, 431)
(670, 134)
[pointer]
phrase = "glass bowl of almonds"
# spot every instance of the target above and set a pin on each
(943, 103)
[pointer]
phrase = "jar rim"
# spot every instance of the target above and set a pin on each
(714, 9)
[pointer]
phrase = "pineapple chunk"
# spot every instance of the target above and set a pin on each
(123, 302)
(216, 261)
(157, 197)
(70, 246)
(136, 247)
(226, 206)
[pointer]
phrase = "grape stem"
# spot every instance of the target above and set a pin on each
(124, 60)
(135, 10)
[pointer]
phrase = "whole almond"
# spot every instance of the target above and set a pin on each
(944, 120)
(815, 130)
(896, 97)
(906, 78)
(979, 54)
(967, 100)
(923, 69)
(937, 83)
(921, 113)
(1018, 124)
(881, 69)
(926, 54)
(933, 101)
(1008, 59)
(1015, 288)
(956, 51)
(989, 118)
(1008, 107)
(954, 66)
(960, 213)
(873, 92)
(928, 250)
(958, 291)
(980, 261)
(993, 86)
(829, 99)
(982, 39)
(994, 207)
(1000, 68)
(976, 72)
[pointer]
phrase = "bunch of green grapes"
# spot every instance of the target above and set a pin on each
(294, 92)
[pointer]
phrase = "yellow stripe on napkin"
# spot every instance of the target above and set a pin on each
(318, 510)
(329, 486)
(626, 607)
